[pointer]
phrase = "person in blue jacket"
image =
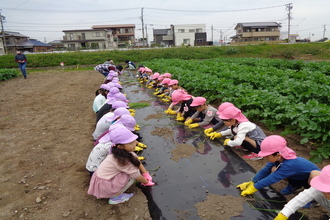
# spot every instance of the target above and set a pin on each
(282, 164)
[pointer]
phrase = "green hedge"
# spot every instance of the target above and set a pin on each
(287, 51)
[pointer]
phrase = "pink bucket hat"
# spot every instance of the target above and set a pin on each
(167, 75)
(155, 76)
(165, 81)
(233, 113)
(173, 82)
(322, 182)
(115, 80)
(121, 97)
(117, 85)
(198, 101)
(147, 70)
(128, 121)
(118, 104)
(105, 87)
(223, 106)
(180, 95)
(119, 134)
(113, 91)
(117, 113)
(273, 144)
(142, 69)
(113, 73)
(161, 77)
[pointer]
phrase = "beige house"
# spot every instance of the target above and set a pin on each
(100, 37)
(2, 47)
(257, 31)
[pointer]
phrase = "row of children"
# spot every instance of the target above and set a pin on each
(113, 163)
(239, 132)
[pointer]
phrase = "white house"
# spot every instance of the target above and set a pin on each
(185, 34)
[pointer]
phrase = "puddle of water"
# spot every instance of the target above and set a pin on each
(182, 184)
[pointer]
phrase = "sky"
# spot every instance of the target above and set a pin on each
(44, 20)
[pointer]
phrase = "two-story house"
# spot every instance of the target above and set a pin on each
(100, 37)
(179, 35)
(257, 31)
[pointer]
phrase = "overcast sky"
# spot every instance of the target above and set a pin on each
(45, 20)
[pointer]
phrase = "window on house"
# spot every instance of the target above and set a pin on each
(71, 46)
(181, 30)
(199, 30)
(71, 36)
(186, 41)
(110, 44)
(191, 30)
(122, 31)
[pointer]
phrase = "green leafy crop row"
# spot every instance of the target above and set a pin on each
(291, 95)
(6, 74)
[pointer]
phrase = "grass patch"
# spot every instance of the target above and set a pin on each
(135, 105)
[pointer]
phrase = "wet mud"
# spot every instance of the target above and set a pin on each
(182, 151)
(183, 185)
(216, 206)
(155, 116)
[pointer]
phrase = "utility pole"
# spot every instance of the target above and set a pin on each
(147, 35)
(221, 42)
(142, 25)
(2, 18)
(288, 8)
(324, 29)
(212, 32)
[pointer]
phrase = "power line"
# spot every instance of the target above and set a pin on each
(69, 11)
(235, 10)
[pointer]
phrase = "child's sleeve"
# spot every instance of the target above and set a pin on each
(208, 117)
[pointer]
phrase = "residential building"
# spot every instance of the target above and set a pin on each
(186, 34)
(87, 39)
(57, 45)
(164, 37)
(123, 34)
(17, 41)
(100, 37)
(179, 35)
(257, 31)
(2, 47)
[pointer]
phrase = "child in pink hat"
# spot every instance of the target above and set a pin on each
(220, 124)
(319, 191)
(173, 86)
(205, 114)
(119, 170)
(282, 164)
(245, 133)
(185, 110)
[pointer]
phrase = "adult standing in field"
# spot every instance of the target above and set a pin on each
(21, 59)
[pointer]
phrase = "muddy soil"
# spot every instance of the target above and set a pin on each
(46, 125)
(182, 151)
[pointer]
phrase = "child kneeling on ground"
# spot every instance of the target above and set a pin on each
(120, 169)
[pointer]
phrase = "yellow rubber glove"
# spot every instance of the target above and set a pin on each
(169, 111)
(141, 145)
(165, 100)
(250, 190)
(141, 158)
(226, 142)
(188, 122)
(194, 125)
(156, 93)
(180, 118)
(137, 127)
(244, 186)
(280, 216)
(131, 110)
(149, 87)
(138, 149)
(132, 114)
(215, 135)
(156, 90)
(207, 131)
(161, 95)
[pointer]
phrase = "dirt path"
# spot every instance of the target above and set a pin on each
(46, 125)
